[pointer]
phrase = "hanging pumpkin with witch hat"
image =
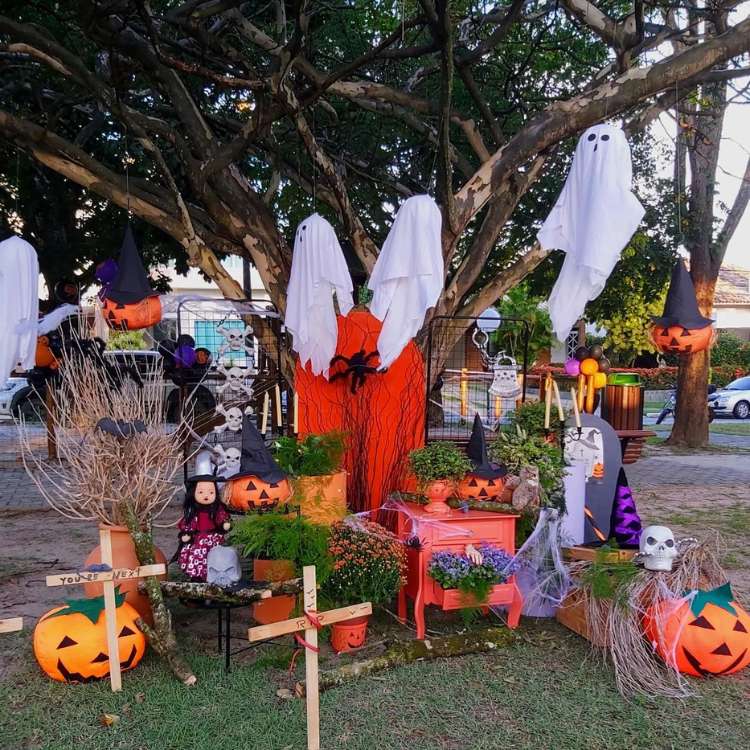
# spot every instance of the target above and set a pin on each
(681, 329)
(131, 303)
(486, 480)
(260, 483)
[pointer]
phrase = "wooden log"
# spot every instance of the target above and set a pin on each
(254, 592)
(406, 652)
(489, 506)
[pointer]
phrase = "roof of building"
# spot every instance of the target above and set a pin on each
(733, 286)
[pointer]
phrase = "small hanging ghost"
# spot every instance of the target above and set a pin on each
(593, 219)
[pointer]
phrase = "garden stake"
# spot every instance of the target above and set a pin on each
(108, 578)
(11, 625)
(310, 622)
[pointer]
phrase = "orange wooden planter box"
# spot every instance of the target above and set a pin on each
(448, 599)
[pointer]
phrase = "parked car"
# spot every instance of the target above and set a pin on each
(19, 398)
(732, 401)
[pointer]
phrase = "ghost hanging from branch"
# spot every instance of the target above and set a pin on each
(594, 218)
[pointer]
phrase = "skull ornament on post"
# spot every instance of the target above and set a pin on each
(658, 548)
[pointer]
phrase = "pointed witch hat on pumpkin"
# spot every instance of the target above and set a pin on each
(131, 283)
(681, 306)
(476, 450)
(256, 460)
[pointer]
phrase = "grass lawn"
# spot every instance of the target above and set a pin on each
(547, 691)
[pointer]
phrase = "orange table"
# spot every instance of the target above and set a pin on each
(452, 532)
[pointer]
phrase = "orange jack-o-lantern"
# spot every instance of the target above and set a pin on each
(70, 642)
(252, 493)
(709, 635)
(476, 488)
(132, 316)
(44, 356)
(681, 340)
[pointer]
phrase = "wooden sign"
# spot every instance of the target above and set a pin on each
(11, 625)
(108, 578)
(310, 625)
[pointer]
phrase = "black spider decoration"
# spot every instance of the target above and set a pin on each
(357, 366)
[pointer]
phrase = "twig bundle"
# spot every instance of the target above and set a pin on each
(96, 473)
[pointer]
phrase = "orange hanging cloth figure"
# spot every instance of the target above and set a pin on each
(382, 413)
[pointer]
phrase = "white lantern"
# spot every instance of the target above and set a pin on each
(489, 320)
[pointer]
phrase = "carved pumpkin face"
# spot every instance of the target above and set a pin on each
(70, 642)
(679, 340)
(252, 493)
(44, 356)
(476, 488)
(131, 317)
(708, 636)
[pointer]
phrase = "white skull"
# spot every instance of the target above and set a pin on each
(229, 463)
(223, 566)
(235, 337)
(658, 548)
(233, 418)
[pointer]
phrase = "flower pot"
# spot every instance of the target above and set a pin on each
(322, 499)
(349, 635)
(123, 556)
(275, 608)
(437, 493)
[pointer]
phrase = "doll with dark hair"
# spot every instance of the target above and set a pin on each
(205, 520)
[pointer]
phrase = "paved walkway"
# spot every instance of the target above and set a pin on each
(706, 469)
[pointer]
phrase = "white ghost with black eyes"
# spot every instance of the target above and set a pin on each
(593, 219)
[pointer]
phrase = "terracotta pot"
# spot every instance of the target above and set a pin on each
(123, 556)
(349, 635)
(321, 499)
(275, 608)
(437, 493)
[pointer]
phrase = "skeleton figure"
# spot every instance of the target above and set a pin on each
(526, 494)
(658, 548)
(234, 341)
(234, 385)
(232, 418)
(223, 566)
(229, 460)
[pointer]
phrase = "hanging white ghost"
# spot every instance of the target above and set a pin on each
(19, 305)
(408, 275)
(595, 216)
(318, 270)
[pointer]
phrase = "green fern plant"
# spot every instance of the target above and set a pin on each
(314, 456)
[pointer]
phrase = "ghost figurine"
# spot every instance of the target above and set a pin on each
(318, 270)
(223, 566)
(594, 218)
(658, 548)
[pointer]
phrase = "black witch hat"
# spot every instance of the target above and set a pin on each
(681, 307)
(256, 460)
(131, 283)
(476, 450)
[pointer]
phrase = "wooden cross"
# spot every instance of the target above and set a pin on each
(108, 579)
(310, 624)
(11, 625)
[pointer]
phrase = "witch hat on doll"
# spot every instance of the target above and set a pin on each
(205, 471)
(131, 282)
(681, 306)
(476, 450)
(256, 460)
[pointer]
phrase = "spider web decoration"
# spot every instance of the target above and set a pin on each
(383, 419)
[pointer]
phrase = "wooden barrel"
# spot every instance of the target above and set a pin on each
(623, 406)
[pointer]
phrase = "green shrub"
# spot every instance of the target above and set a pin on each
(730, 351)
(315, 456)
(274, 536)
(439, 460)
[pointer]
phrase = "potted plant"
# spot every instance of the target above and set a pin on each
(369, 565)
(438, 467)
(280, 545)
(318, 483)
(474, 580)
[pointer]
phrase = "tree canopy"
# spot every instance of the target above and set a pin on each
(242, 117)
